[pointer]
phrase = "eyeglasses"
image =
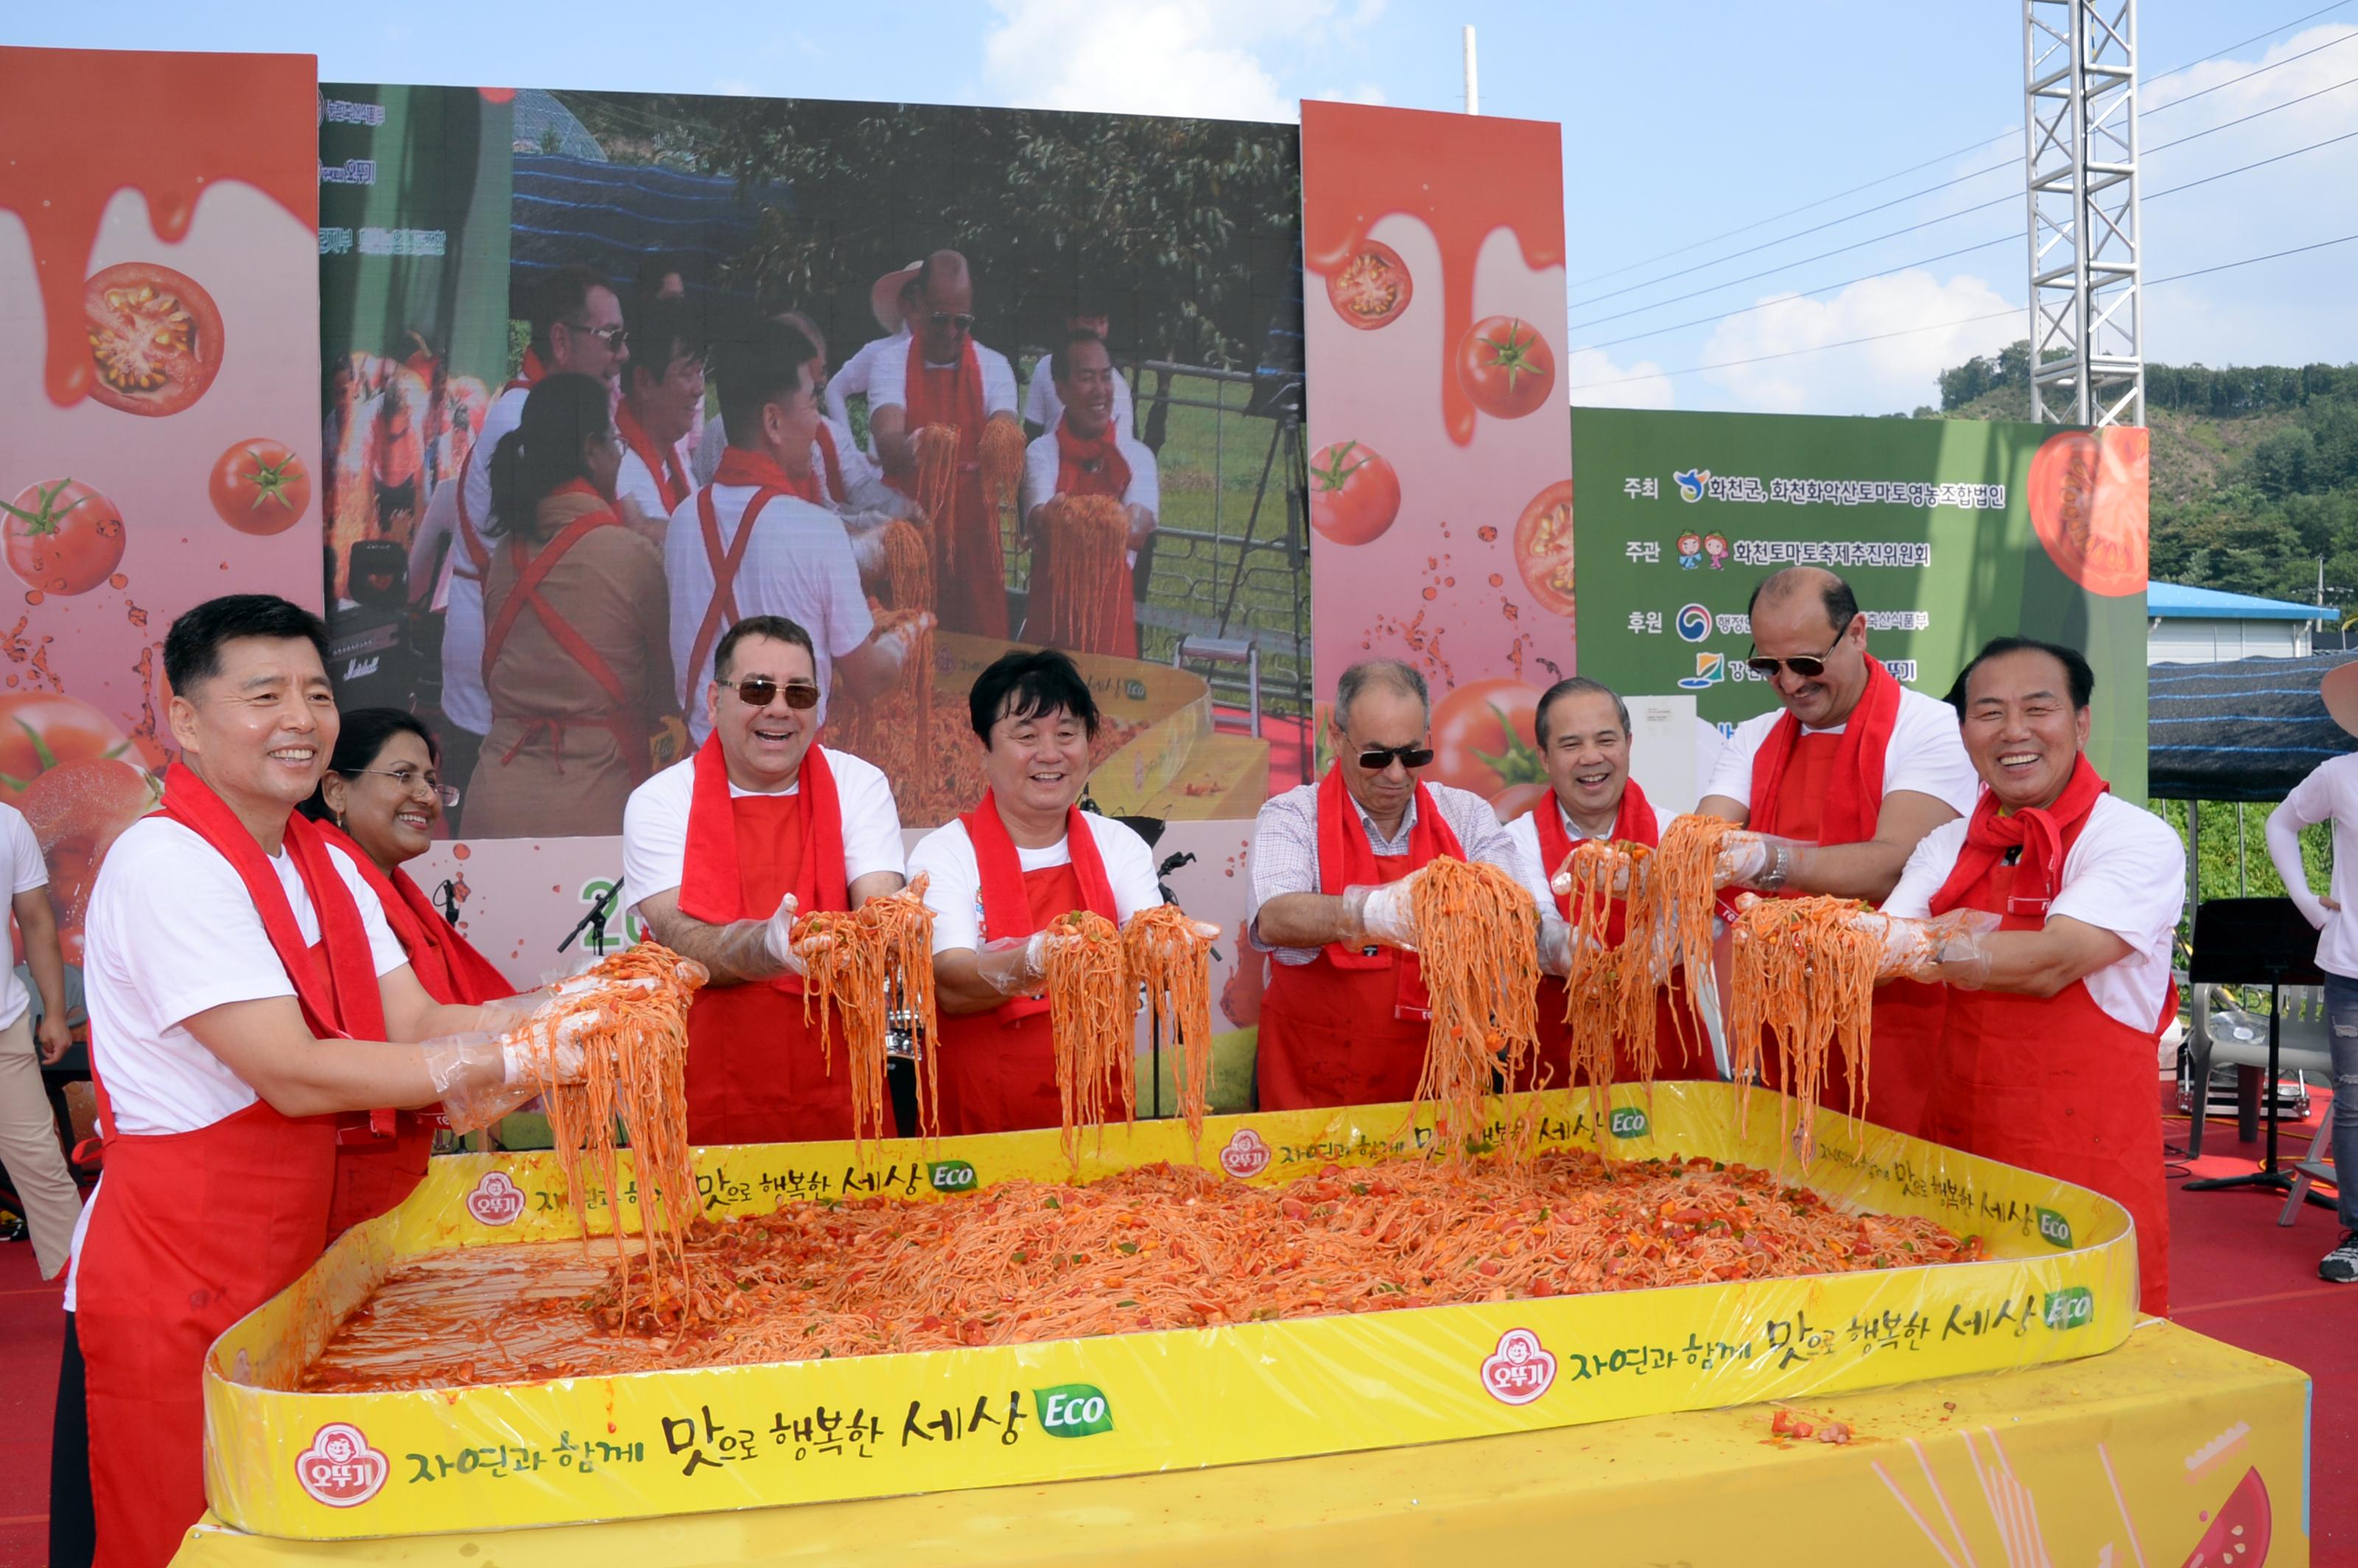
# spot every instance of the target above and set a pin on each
(1803, 665)
(962, 320)
(613, 337)
(410, 780)
(1376, 758)
(758, 691)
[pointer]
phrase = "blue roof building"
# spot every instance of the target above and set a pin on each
(2204, 625)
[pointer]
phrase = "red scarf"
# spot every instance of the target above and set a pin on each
(832, 464)
(1347, 857)
(662, 462)
(710, 888)
(340, 997)
(530, 372)
(743, 467)
(949, 396)
(2042, 834)
(1089, 465)
(1855, 793)
(1006, 908)
(1632, 823)
(446, 964)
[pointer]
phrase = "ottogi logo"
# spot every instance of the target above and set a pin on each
(1627, 1122)
(495, 1200)
(1245, 1154)
(2071, 1308)
(1073, 1410)
(1693, 622)
(950, 1175)
(340, 1468)
(2054, 1229)
(1520, 1370)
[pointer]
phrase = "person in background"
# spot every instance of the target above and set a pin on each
(2048, 915)
(1343, 1020)
(1085, 454)
(29, 1131)
(893, 299)
(1835, 788)
(662, 399)
(726, 852)
(1025, 855)
(577, 329)
(946, 378)
(577, 657)
(1583, 730)
(379, 801)
(748, 543)
(2329, 794)
(1044, 397)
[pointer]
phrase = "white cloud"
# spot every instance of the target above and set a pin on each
(1895, 372)
(1366, 92)
(1162, 56)
(734, 87)
(1593, 381)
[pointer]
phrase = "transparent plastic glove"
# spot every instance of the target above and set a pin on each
(778, 939)
(868, 552)
(898, 639)
(481, 1077)
(1949, 948)
(518, 1012)
(1756, 860)
(1563, 881)
(1384, 913)
(1015, 966)
(1555, 947)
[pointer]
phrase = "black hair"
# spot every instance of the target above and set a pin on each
(2078, 678)
(656, 265)
(562, 294)
(1841, 603)
(1030, 684)
(663, 330)
(776, 626)
(360, 741)
(1057, 371)
(1573, 686)
(192, 647)
(561, 414)
(754, 370)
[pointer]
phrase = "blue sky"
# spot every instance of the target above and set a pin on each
(1681, 121)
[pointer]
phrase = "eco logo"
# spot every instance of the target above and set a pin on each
(2054, 1229)
(1710, 670)
(1073, 1410)
(1627, 1122)
(2072, 1308)
(1245, 1155)
(1520, 1370)
(1693, 622)
(495, 1200)
(1691, 484)
(950, 1175)
(340, 1468)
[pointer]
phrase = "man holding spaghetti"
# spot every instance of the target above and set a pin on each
(1835, 789)
(1085, 454)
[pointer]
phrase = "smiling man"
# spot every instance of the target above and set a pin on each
(726, 853)
(2049, 914)
(1084, 455)
(663, 397)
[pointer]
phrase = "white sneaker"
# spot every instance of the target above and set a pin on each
(2341, 1265)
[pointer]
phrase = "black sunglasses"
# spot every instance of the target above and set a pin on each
(1376, 758)
(1804, 666)
(756, 691)
(962, 320)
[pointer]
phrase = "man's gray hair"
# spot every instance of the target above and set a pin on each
(1384, 675)
(1573, 686)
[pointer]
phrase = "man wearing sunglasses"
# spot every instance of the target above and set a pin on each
(576, 328)
(726, 853)
(1835, 789)
(945, 378)
(1343, 1020)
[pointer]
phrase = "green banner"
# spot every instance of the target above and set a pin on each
(1950, 532)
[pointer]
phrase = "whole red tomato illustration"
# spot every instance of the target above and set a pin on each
(155, 338)
(1506, 367)
(63, 536)
(77, 810)
(1486, 738)
(2088, 506)
(1354, 493)
(1543, 547)
(261, 486)
(1372, 288)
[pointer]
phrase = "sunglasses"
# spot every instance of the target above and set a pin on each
(962, 320)
(757, 691)
(1804, 666)
(1376, 758)
(613, 337)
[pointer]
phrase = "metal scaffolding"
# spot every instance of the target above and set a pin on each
(2080, 92)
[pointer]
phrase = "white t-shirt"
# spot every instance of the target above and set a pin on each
(464, 701)
(1042, 463)
(2125, 873)
(954, 893)
(853, 380)
(654, 824)
(798, 564)
(860, 474)
(888, 382)
(1042, 407)
(1525, 831)
(20, 859)
(635, 482)
(1927, 754)
(2329, 794)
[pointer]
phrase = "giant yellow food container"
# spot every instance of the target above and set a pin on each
(2062, 1283)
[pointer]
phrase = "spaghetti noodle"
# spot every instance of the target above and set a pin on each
(1087, 538)
(1174, 964)
(864, 966)
(1803, 972)
(1092, 1010)
(1477, 935)
(937, 473)
(1001, 454)
(1670, 909)
(1610, 988)
(901, 927)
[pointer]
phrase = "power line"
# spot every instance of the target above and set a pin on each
(2247, 75)
(2229, 125)
(2244, 169)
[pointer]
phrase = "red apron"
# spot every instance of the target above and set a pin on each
(1349, 1026)
(1086, 467)
(823, 485)
(629, 728)
(198, 1228)
(969, 572)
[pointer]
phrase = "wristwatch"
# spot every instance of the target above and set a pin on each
(1780, 860)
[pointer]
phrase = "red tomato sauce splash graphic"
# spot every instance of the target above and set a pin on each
(1350, 155)
(166, 133)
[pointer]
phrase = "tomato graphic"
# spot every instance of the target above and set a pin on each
(155, 338)
(261, 486)
(63, 536)
(2088, 503)
(1543, 547)
(1506, 367)
(77, 810)
(1354, 493)
(1485, 739)
(39, 731)
(1372, 287)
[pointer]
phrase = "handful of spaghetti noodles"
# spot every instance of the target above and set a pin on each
(938, 466)
(1086, 539)
(1610, 988)
(1477, 944)
(1092, 1005)
(901, 927)
(1174, 965)
(858, 962)
(1804, 973)
(1671, 899)
(1001, 454)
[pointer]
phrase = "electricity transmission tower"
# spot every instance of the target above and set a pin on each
(2087, 306)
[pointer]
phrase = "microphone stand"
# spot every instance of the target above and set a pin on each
(446, 899)
(595, 921)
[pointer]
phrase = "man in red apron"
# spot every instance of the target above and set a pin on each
(242, 984)
(1085, 454)
(2049, 912)
(1836, 789)
(945, 378)
(1583, 730)
(663, 398)
(725, 852)
(1344, 1019)
(1000, 874)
